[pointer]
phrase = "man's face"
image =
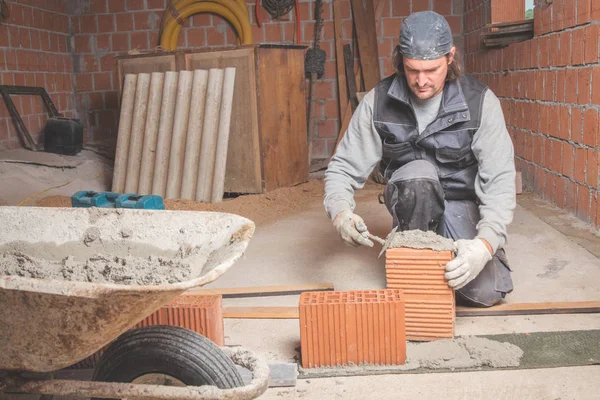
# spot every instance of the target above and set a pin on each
(426, 77)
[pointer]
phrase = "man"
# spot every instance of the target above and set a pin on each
(438, 139)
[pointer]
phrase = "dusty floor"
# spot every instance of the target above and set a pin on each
(554, 258)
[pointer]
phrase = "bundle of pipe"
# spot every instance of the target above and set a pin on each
(234, 11)
(174, 134)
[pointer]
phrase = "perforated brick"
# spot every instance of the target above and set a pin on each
(354, 327)
(430, 304)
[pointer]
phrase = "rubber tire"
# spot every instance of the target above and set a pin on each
(178, 352)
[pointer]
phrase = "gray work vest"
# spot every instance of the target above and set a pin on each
(446, 142)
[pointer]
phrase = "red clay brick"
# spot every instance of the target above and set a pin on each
(401, 8)
(125, 22)
(559, 184)
(591, 176)
(578, 47)
(534, 59)
(577, 125)
(579, 165)
(120, 42)
(549, 81)
(564, 123)
(547, 154)
(354, 327)
(595, 10)
(590, 127)
(429, 301)
(443, 7)
(584, 86)
(583, 11)
(596, 85)
(556, 163)
(554, 50)
(139, 40)
(88, 24)
(561, 82)
(564, 56)
(567, 159)
(592, 33)
(583, 202)
(539, 85)
(572, 77)
(544, 51)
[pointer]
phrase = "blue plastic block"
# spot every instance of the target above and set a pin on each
(89, 198)
(147, 202)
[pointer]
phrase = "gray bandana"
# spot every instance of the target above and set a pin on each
(425, 36)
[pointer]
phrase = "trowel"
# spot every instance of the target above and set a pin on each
(385, 243)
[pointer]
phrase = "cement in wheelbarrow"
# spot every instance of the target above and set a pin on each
(48, 324)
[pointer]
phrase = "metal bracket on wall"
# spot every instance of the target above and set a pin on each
(6, 91)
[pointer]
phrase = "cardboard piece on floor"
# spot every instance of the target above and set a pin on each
(281, 375)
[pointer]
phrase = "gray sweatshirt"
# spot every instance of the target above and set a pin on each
(360, 151)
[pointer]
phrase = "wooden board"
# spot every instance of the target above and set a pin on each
(284, 147)
(243, 174)
(339, 57)
(262, 290)
(364, 22)
(583, 307)
(144, 64)
(261, 312)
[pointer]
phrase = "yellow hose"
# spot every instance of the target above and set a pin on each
(231, 10)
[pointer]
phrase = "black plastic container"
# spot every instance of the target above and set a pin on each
(63, 136)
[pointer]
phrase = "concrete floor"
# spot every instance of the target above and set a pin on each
(554, 258)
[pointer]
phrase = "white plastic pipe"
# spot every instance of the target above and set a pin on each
(137, 133)
(194, 135)
(126, 116)
(209, 135)
(180, 123)
(223, 136)
(151, 134)
(165, 128)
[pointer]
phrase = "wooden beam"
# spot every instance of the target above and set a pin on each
(261, 312)
(583, 307)
(339, 56)
(580, 307)
(367, 43)
(349, 64)
(260, 291)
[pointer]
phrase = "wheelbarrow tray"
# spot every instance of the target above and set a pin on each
(48, 324)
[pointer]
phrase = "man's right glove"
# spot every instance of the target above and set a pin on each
(352, 229)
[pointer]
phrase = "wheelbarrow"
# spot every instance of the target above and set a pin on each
(48, 324)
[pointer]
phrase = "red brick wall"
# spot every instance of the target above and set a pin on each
(34, 51)
(550, 93)
(102, 29)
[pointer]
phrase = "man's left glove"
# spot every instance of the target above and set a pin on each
(471, 257)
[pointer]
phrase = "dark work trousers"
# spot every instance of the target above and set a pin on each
(415, 198)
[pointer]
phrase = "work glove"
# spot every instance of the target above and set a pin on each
(352, 229)
(471, 257)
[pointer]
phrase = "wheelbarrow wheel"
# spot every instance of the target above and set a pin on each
(166, 355)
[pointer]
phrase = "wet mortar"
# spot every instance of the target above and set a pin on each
(94, 261)
(417, 239)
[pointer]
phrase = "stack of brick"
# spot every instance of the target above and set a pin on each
(430, 306)
(352, 328)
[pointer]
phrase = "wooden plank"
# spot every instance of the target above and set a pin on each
(349, 63)
(144, 63)
(261, 312)
(243, 173)
(581, 307)
(367, 44)
(258, 291)
(283, 133)
(339, 56)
